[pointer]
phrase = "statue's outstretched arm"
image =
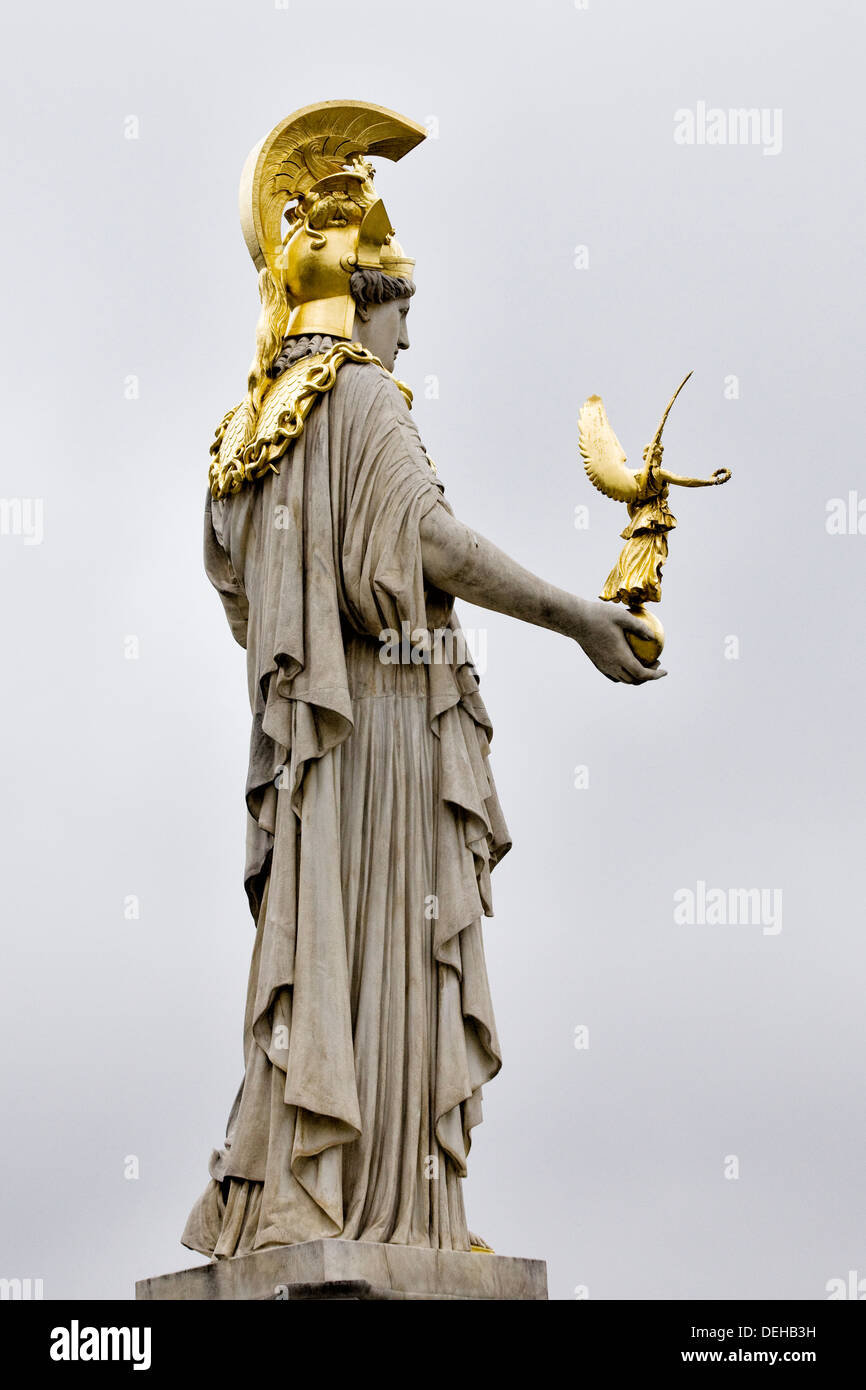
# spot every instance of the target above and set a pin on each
(460, 562)
(721, 475)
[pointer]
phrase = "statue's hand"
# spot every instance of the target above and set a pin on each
(601, 633)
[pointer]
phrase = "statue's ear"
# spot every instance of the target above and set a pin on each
(362, 313)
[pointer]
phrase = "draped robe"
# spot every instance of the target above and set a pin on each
(373, 824)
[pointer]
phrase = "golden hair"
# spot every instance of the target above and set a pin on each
(272, 324)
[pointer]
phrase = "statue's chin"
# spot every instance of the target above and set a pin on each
(650, 649)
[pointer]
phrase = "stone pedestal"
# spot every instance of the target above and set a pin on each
(357, 1270)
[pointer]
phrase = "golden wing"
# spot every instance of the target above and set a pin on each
(603, 456)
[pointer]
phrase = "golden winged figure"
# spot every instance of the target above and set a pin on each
(636, 577)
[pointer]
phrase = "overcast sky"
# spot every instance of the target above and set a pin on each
(578, 228)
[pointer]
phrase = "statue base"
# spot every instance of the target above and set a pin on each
(353, 1270)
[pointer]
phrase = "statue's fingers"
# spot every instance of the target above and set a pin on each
(640, 672)
(630, 622)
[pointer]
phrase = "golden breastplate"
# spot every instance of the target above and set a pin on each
(246, 448)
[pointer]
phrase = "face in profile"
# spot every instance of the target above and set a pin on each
(381, 328)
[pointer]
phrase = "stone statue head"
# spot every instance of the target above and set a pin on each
(381, 308)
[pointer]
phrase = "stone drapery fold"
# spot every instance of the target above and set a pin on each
(373, 825)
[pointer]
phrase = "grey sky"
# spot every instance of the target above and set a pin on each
(124, 258)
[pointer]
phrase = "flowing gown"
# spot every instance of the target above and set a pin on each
(373, 824)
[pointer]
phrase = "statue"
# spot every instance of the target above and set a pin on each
(636, 578)
(373, 819)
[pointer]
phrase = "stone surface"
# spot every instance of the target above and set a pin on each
(368, 786)
(346, 1269)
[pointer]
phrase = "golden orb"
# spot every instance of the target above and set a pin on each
(648, 649)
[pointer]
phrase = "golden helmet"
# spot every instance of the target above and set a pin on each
(313, 171)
